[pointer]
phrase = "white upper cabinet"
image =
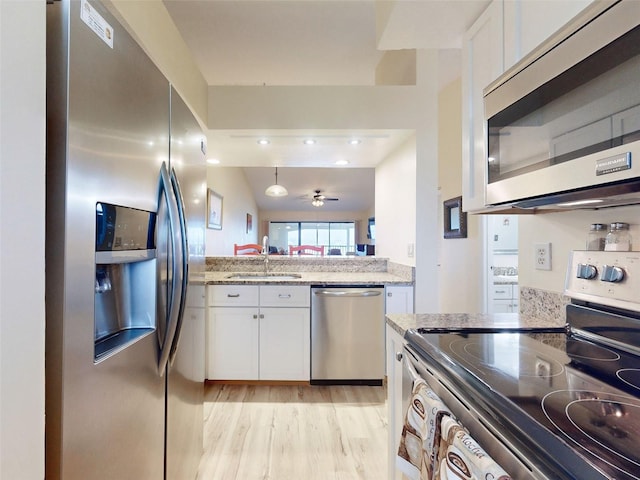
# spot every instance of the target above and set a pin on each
(527, 23)
(482, 62)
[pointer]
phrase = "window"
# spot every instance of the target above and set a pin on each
(338, 238)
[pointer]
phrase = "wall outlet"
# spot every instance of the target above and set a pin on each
(410, 250)
(542, 256)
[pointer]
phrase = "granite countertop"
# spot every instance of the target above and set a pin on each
(312, 278)
(401, 322)
(309, 270)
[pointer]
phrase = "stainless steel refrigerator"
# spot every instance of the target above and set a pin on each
(126, 185)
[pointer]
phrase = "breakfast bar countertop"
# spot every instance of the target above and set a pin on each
(250, 270)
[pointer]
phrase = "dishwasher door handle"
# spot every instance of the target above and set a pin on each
(346, 293)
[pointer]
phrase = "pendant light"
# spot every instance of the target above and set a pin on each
(276, 190)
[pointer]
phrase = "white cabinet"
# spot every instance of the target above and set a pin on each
(527, 23)
(395, 344)
(505, 298)
(232, 343)
(399, 299)
(482, 62)
(284, 343)
(258, 332)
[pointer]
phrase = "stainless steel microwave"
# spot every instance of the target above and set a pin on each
(563, 125)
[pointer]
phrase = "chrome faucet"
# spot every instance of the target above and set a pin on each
(265, 252)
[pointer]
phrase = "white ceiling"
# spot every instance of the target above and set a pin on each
(354, 187)
(311, 42)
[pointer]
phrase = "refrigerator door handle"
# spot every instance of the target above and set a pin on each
(184, 264)
(173, 307)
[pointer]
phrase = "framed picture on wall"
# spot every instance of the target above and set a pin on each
(455, 220)
(249, 223)
(214, 210)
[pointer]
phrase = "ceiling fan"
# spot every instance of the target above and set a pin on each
(319, 199)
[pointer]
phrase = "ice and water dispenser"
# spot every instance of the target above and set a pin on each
(125, 282)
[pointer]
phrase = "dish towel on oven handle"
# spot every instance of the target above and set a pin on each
(419, 440)
(460, 457)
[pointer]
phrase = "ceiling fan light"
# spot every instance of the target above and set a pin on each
(317, 202)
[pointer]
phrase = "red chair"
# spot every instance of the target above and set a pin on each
(306, 250)
(248, 249)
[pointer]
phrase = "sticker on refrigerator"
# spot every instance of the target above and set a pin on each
(94, 20)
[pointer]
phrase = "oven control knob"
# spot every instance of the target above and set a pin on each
(612, 274)
(586, 271)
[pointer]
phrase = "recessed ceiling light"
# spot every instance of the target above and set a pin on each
(213, 161)
(355, 141)
(342, 162)
(309, 141)
(263, 141)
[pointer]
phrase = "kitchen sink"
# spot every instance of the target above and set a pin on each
(263, 276)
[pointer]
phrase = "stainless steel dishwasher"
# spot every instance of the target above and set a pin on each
(347, 335)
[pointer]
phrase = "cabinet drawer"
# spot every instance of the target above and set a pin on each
(232, 295)
(501, 291)
(284, 296)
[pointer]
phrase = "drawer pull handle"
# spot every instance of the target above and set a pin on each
(284, 295)
(233, 295)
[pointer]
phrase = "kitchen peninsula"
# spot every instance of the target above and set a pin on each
(262, 313)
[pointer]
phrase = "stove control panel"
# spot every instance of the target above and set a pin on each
(609, 278)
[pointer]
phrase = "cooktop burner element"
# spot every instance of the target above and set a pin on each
(513, 359)
(583, 350)
(610, 421)
(630, 376)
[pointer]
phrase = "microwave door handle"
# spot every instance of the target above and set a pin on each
(173, 307)
(182, 264)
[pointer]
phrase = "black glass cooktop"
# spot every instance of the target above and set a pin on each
(554, 391)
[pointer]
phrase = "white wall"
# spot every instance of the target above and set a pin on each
(566, 231)
(237, 201)
(396, 204)
(397, 67)
(458, 258)
(426, 181)
(22, 214)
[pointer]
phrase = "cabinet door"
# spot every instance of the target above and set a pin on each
(232, 343)
(502, 292)
(399, 299)
(527, 23)
(284, 344)
(285, 296)
(395, 344)
(482, 62)
(503, 306)
(232, 295)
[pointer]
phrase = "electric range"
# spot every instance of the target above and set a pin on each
(567, 399)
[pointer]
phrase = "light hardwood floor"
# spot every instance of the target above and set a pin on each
(294, 432)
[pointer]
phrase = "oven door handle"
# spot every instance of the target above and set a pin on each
(410, 368)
